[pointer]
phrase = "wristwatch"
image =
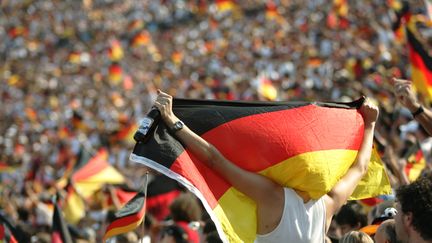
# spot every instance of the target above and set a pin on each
(418, 111)
(178, 125)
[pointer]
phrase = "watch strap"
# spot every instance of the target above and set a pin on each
(418, 111)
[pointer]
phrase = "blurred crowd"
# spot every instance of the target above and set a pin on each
(81, 73)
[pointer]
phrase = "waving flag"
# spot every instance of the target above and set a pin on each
(421, 62)
(115, 51)
(60, 231)
(7, 231)
(130, 216)
(306, 146)
(416, 162)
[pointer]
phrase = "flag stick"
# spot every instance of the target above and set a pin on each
(145, 205)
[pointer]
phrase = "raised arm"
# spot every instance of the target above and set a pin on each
(346, 185)
(268, 195)
(406, 96)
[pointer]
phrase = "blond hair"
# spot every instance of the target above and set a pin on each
(356, 237)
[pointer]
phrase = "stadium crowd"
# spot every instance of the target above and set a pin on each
(80, 74)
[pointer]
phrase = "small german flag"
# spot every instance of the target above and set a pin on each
(416, 162)
(301, 145)
(115, 72)
(60, 232)
(115, 51)
(130, 216)
(143, 38)
(272, 12)
(225, 5)
(5, 168)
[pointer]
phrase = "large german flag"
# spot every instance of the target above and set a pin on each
(130, 216)
(307, 146)
(421, 61)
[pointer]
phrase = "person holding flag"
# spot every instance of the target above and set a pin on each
(283, 213)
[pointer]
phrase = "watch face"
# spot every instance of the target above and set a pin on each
(178, 125)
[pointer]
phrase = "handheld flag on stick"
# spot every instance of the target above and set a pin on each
(130, 216)
(306, 146)
(7, 231)
(60, 231)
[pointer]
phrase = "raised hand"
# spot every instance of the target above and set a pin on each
(369, 112)
(405, 94)
(164, 104)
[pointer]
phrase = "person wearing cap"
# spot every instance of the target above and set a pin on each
(406, 96)
(284, 214)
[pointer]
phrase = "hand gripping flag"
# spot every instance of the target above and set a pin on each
(306, 146)
(130, 216)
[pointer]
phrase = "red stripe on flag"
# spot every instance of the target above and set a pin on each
(418, 62)
(309, 132)
(122, 222)
(95, 165)
(56, 238)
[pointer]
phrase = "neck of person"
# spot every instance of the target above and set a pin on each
(415, 237)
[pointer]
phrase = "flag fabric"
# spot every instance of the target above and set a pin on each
(74, 206)
(126, 132)
(306, 146)
(421, 61)
(5, 168)
(225, 5)
(5, 235)
(115, 51)
(123, 195)
(92, 174)
(115, 73)
(341, 7)
(60, 232)
(266, 89)
(7, 231)
(415, 162)
(401, 10)
(272, 13)
(143, 38)
(130, 216)
(161, 192)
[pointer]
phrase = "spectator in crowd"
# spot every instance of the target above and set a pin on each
(356, 237)
(174, 234)
(414, 206)
(185, 210)
(386, 232)
(351, 217)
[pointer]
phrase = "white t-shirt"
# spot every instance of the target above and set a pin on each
(300, 223)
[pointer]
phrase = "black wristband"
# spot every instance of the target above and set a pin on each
(418, 111)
